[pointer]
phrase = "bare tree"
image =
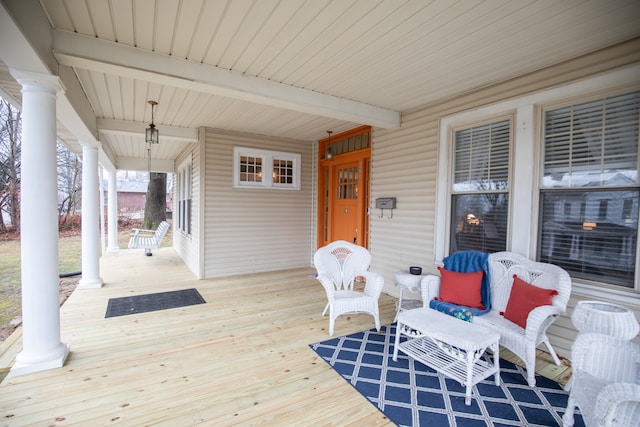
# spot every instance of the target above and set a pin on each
(155, 206)
(69, 184)
(69, 171)
(10, 155)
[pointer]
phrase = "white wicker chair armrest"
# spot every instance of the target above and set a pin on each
(327, 283)
(618, 404)
(430, 288)
(374, 284)
(540, 317)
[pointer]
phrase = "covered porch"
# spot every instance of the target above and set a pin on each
(241, 358)
(274, 78)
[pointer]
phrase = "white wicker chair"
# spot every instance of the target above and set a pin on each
(606, 381)
(522, 342)
(339, 264)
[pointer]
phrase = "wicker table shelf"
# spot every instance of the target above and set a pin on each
(448, 345)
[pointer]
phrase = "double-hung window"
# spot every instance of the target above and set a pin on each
(589, 190)
(480, 187)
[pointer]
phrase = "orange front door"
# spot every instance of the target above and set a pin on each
(343, 187)
(345, 206)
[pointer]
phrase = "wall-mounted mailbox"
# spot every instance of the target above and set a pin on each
(383, 203)
(386, 203)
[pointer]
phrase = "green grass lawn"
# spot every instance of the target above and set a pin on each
(69, 252)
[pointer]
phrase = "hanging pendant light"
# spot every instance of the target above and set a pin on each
(151, 135)
(328, 155)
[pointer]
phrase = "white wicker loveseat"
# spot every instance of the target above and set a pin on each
(521, 341)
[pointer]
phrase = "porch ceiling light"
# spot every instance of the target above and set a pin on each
(328, 155)
(151, 134)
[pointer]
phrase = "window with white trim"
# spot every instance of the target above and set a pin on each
(591, 168)
(184, 186)
(253, 168)
(480, 187)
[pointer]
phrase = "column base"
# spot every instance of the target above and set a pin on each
(113, 249)
(90, 283)
(52, 361)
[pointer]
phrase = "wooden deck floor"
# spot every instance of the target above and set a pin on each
(241, 359)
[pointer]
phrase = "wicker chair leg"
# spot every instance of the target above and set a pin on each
(332, 322)
(530, 365)
(551, 351)
(567, 418)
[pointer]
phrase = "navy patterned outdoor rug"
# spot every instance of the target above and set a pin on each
(153, 302)
(411, 394)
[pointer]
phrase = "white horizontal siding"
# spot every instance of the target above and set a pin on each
(188, 246)
(404, 165)
(254, 230)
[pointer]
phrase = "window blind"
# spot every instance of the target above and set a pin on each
(482, 157)
(591, 143)
(589, 195)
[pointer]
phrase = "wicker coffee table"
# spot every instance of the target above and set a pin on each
(450, 346)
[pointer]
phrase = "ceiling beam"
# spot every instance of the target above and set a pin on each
(90, 53)
(125, 127)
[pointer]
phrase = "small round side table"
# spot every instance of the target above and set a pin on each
(405, 280)
(605, 318)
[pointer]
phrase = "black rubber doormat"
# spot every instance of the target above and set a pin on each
(153, 302)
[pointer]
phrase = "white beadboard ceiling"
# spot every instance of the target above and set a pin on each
(297, 68)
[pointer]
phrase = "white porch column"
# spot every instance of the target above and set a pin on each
(90, 220)
(112, 209)
(41, 345)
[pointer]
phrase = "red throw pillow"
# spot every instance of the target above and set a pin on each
(525, 297)
(461, 288)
